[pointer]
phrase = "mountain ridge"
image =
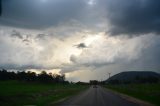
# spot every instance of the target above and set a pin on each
(134, 76)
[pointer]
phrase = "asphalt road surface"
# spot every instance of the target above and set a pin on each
(97, 97)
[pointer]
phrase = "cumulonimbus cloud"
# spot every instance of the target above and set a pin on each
(69, 22)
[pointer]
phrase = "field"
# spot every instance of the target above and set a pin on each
(146, 92)
(14, 93)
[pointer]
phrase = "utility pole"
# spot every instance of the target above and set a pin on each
(109, 74)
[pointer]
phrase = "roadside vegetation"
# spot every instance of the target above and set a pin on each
(16, 93)
(29, 88)
(147, 92)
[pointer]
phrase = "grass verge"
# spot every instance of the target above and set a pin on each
(146, 92)
(15, 93)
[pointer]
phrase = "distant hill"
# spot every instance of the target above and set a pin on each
(135, 77)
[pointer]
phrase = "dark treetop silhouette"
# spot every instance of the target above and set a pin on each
(32, 77)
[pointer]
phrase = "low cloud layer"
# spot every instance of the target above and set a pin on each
(119, 50)
(25, 49)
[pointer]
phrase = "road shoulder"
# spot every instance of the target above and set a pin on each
(131, 99)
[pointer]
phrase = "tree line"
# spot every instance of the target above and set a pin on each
(32, 76)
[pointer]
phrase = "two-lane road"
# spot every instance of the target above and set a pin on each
(97, 97)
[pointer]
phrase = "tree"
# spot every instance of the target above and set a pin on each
(32, 76)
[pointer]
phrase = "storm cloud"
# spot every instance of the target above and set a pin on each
(85, 39)
(81, 45)
(40, 13)
(132, 17)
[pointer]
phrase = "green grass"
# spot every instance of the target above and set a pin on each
(146, 92)
(14, 93)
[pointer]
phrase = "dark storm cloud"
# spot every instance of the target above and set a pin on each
(81, 46)
(0, 7)
(16, 34)
(132, 16)
(44, 49)
(24, 38)
(39, 13)
(23, 67)
(149, 58)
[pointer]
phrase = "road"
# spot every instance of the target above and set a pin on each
(97, 97)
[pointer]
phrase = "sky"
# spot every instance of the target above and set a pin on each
(83, 39)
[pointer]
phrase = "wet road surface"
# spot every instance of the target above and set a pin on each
(98, 96)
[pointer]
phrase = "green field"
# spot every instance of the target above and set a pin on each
(146, 92)
(14, 93)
